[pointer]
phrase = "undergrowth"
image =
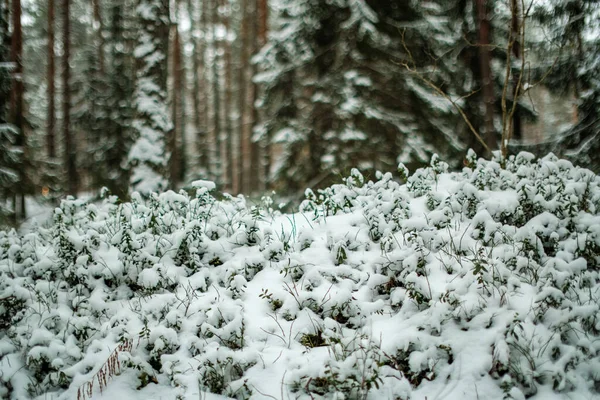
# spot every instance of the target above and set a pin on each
(373, 290)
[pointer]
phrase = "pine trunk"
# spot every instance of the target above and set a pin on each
(230, 133)
(174, 139)
(261, 150)
(148, 156)
(217, 87)
(16, 52)
(182, 117)
(99, 28)
(51, 122)
(4, 20)
(199, 83)
(69, 153)
(247, 95)
(487, 82)
(16, 104)
(224, 138)
(516, 28)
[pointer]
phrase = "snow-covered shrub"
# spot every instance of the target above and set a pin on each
(486, 278)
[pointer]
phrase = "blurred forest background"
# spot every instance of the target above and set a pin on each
(263, 95)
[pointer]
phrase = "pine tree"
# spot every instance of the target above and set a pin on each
(247, 93)
(574, 47)
(50, 78)
(10, 154)
(342, 87)
(228, 105)
(17, 108)
(199, 96)
(109, 111)
(152, 124)
(174, 146)
(481, 77)
(70, 150)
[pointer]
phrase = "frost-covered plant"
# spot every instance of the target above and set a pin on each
(351, 371)
(224, 374)
(375, 288)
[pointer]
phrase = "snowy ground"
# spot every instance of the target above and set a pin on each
(456, 286)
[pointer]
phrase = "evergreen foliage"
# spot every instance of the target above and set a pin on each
(572, 43)
(337, 92)
(10, 154)
(108, 118)
(148, 156)
(339, 83)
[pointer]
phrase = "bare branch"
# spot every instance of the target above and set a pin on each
(413, 70)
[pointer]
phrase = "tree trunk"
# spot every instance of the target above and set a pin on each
(516, 29)
(223, 116)
(99, 29)
(175, 160)
(16, 52)
(182, 117)
(263, 17)
(487, 82)
(4, 20)
(120, 88)
(16, 105)
(148, 156)
(50, 138)
(199, 83)
(246, 96)
(230, 134)
(219, 117)
(212, 122)
(69, 152)
(261, 151)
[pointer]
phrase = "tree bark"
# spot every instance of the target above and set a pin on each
(487, 82)
(261, 151)
(198, 83)
(16, 52)
(4, 20)
(223, 115)
(51, 94)
(176, 134)
(219, 117)
(230, 134)
(246, 96)
(69, 142)
(99, 29)
(516, 48)
(148, 156)
(16, 105)
(212, 92)
(263, 17)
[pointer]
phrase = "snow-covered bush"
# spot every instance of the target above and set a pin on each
(483, 282)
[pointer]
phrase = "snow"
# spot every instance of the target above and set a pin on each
(208, 185)
(479, 284)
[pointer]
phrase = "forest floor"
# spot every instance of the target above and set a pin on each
(480, 284)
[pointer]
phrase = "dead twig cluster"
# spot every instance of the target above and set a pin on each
(111, 367)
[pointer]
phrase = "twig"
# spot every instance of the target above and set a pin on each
(441, 92)
(110, 368)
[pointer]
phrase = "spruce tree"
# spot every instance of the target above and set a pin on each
(574, 46)
(10, 154)
(108, 115)
(345, 83)
(148, 156)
